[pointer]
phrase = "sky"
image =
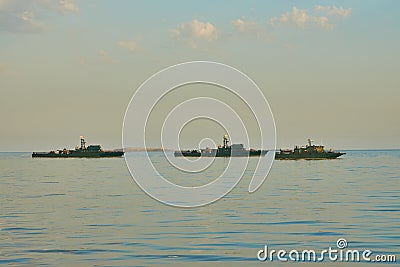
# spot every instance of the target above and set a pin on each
(329, 69)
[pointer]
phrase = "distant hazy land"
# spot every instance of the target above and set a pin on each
(142, 149)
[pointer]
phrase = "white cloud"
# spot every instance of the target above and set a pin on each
(322, 8)
(29, 23)
(68, 6)
(103, 53)
(25, 16)
(105, 56)
(195, 31)
(83, 62)
(323, 22)
(130, 45)
(300, 18)
(60, 6)
(250, 28)
(335, 11)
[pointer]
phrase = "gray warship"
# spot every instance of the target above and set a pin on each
(234, 150)
(309, 151)
(92, 151)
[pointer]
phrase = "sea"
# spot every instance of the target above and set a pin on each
(90, 212)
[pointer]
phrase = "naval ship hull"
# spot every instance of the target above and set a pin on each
(92, 151)
(308, 152)
(292, 156)
(104, 154)
(223, 153)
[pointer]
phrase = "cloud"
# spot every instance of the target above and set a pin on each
(68, 6)
(25, 16)
(335, 11)
(103, 53)
(195, 32)
(104, 56)
(28, 23)
(302, 19)
(130, 45)
(250, 28)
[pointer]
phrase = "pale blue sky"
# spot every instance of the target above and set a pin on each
(330, 69)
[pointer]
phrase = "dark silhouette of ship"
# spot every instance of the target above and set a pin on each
(310, 151)
(234, 150)
(92, 151)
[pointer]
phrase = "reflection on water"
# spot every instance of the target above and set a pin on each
(86, 212)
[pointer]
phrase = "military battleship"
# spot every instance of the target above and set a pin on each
(92, 151)
(309, 151)
(234, 150)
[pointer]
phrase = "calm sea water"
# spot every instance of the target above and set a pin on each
(89, 212)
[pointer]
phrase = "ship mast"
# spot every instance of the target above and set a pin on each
(310, 141)
(83, 143)
(226, 141)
